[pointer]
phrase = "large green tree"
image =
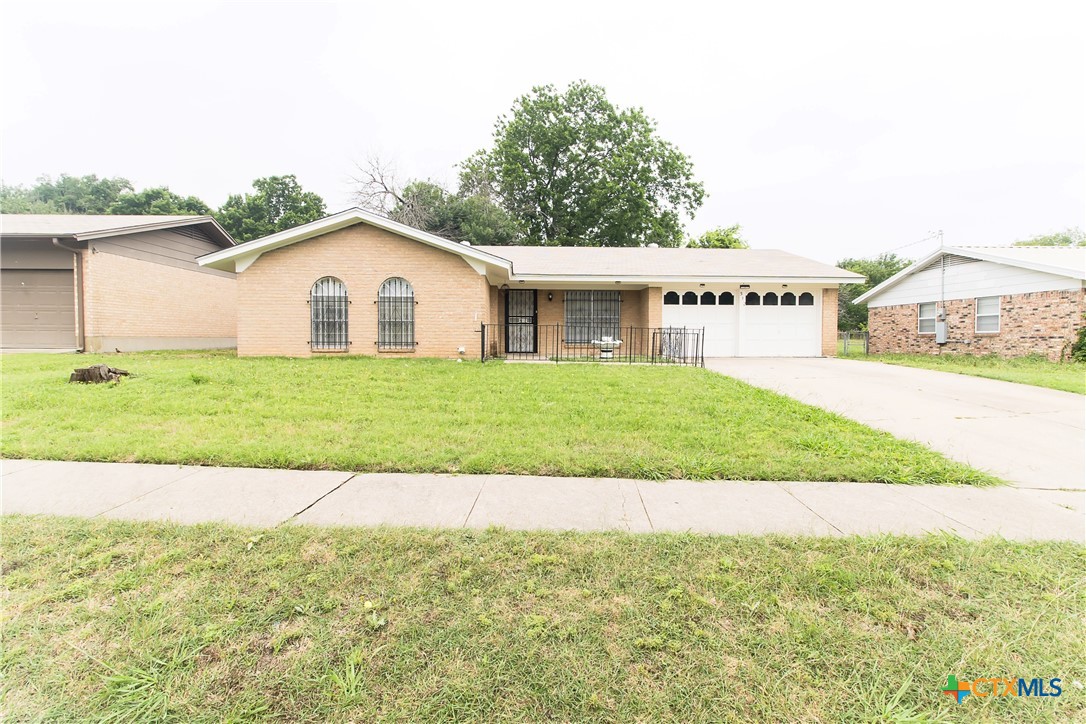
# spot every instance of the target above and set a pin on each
(475, 219)
(279, 203)
(575, 170)
(159, 200)
(722, 237)
(1068, 237)
(850, 315)
(67, 195)
(427, 205)
(93, 195)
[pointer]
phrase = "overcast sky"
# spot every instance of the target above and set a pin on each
(826, 129)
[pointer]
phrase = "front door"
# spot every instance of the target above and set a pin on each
(520, 320)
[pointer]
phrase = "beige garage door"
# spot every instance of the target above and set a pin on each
(37, 309)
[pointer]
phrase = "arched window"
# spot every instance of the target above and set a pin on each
(328, 316)
(806, 299)
(770, 299)
(396, 315)
(753, 300)
(671, 298)
(690, 298)
(708, 298)
(727, 299)
(788, 299)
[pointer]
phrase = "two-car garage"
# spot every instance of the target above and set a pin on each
(744, 322)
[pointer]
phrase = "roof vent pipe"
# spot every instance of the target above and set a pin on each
(466, 243)
(654, 246)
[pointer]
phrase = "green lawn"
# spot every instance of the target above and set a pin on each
(1066, 376)
(110, 621)
(438, 416)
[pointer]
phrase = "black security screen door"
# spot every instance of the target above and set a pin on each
(520, 318)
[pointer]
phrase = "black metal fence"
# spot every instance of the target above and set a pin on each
(559, 343)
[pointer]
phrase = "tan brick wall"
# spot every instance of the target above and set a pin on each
(452, 299)
(653, 304)
(134, 304)
(829, 322)
(1041, 323)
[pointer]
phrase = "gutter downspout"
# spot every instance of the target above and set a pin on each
(80, 314)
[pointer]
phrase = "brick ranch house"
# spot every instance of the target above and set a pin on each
(1009, 301)
(358, 283)
(100, 283)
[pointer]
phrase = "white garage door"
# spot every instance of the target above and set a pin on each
(749, 323)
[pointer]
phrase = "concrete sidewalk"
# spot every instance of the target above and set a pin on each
(255, 497)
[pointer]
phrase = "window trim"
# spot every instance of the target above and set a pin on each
(934, 318)
(977, 315)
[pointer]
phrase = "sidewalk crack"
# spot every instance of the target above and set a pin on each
(194, 469)
(644, 507)
(475, 502)
(352, 477)
(815, 512)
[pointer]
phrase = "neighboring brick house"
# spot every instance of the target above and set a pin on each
(1008, 301)
(101, 283)
(359, 283)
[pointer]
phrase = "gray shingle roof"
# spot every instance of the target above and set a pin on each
(663, 262)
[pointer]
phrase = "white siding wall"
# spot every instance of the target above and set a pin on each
(974, 279)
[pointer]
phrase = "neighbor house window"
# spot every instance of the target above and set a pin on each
(770, 299)
(591, 315)
(806, 299)
(926, 318)
(788, 299)
(753, 300)
(690, 298)
(671, 298)
(708, 298)
(727, 299)
(988, 314)
(396, 315)
(328, 316)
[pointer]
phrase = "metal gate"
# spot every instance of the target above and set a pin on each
(520, 321)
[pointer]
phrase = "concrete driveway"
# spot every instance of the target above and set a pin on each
(1030, 436)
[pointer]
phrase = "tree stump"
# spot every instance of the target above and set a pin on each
(97, 373)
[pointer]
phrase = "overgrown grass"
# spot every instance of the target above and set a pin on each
(1066, 376)
(439, 416)
(112, 621)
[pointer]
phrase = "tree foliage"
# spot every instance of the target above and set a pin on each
(279, 203)
(575, 170)
(1068, 237)
(431, 207)
(722, 237)
(159, 200)
(850, 315)
(93, 195)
